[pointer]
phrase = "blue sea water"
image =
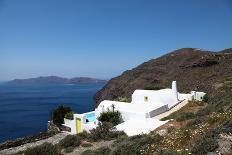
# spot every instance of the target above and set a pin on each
(25, 109)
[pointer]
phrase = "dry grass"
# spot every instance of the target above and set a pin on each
(184, 136)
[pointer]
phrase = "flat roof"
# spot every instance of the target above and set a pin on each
(131, 107)
(139, 126)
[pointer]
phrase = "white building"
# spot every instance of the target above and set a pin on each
(145, 105)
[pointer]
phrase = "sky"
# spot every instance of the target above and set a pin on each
(103, 38)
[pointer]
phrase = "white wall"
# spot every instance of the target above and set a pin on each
(159, 97)
(200, 95)
(71, 124)
(188, 97)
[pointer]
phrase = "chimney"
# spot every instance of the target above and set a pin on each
(174, 89)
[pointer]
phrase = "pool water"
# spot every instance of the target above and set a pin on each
(91, 117)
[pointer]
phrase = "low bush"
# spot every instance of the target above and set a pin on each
(170, 152)
(114, 117)
(86, 145)
(119, 139)
(133, 145)
(104, 131)
(185, 116)
(69, 115)
(226, 127)
(83, 134)
(205, 111)
(69, 149)
(70, 141)
(87, 152)
(44, 149)
(102, 151)
(180, 116)
(99, 151)
(58, 114)
(196, 121)
(206, 143)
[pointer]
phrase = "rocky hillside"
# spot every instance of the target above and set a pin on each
(193, 69)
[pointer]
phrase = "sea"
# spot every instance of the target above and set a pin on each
(26, 109)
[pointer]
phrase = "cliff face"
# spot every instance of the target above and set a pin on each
(193, 69)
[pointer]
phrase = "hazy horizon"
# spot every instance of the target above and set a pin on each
(102, 39)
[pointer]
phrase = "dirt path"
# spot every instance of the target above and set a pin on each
(54, 140)
(96, 145)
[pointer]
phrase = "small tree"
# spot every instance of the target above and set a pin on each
(58, 114)
(113, 117)
(69, 115)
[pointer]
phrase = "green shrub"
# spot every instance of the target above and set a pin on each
(205, 111)
(70, 141)
(226, 127)
(114, 117)
(133, 145)
(69, 149)
(185, 116)
(86, 145)
(170, 152)
(88, 152)
(58, 114)
(84, 134)
(69, 115)
(102, 151)
(44, 149)
(104, 131)
(206, 143)
(119, 139)
(196, 121)
(99, 151)
(180, 116)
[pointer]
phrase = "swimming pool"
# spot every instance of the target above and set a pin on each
(91, 117)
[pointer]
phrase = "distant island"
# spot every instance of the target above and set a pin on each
(56, 80)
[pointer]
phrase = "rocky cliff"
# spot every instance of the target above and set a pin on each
(193, 69)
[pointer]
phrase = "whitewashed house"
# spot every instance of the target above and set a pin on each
(137, 115)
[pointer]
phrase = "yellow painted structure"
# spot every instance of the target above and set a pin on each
(78, 125)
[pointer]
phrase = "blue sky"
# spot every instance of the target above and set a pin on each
(102, 39)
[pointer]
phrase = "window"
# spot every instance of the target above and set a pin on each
(145, 98)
